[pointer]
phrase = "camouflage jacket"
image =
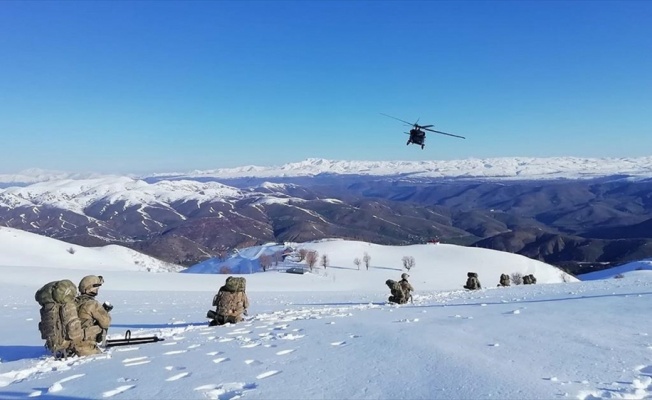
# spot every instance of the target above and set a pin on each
(231, 303)
(94, 318)
(407, 288)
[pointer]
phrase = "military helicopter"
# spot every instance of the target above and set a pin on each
(418, 134)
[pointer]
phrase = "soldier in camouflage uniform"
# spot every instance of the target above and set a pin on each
(94, 317)
(504, 280)
(231, 304)
(405, 285)
(472, 283)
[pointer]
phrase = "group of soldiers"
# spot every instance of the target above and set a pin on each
(472, 283)
(75, 324)
(231, 304)
(401, 291)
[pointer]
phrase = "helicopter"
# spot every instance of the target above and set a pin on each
(418, 134)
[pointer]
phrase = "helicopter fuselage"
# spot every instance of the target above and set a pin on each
(417, 137)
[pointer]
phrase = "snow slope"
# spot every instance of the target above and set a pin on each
(579, 340)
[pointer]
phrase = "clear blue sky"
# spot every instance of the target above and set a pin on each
(140, 86)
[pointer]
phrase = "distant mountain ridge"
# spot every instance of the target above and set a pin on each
(488, 168)
(185, 219)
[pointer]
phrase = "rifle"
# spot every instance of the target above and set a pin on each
(129, 340)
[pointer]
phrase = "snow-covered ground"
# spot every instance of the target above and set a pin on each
(306, 340)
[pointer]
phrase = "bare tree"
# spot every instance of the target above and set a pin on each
(517, 278)
(408, 262)
(302, 254)
(324, 261)
(366, 259)
(311, 258)
(265, 261)
(356, 262)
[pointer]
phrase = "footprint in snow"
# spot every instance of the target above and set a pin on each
(169, 343)
(221, 359)
(225, 340)
(226, 391)
(57, 386)
(250, 345)
(267, 374)
(284, 352)
(169, 353)
(253, 362)
(118, 390)
(338, 343)
(131, 362)
(213, 353)
(177, 376)
(194, 346)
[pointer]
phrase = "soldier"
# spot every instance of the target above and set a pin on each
(504, 280)
(405, 285)
(472, 283)
(527, 280)
(231, 302)
(533, 280)
(95, 318)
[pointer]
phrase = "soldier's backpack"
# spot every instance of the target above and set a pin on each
(397, 290)
(235, 284)
(60, 326)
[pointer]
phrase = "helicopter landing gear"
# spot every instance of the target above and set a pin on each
(408, 142)
(422, 146)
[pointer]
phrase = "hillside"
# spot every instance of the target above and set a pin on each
(24, 249)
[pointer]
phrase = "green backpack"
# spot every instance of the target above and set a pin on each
(60, 326)
(235, 284)
(396, 290)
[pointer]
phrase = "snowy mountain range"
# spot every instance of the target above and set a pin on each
(599, 212)
(489, 168)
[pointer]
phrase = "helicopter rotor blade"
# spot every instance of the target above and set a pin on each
(425, 126)
(444, 133)
(405, 122)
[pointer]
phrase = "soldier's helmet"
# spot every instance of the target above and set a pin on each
(404, 275)
(90, 284)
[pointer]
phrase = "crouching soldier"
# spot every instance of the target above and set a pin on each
(472, 283)
(231, 302)
(94, 317)
(529, 279)
(504, 280)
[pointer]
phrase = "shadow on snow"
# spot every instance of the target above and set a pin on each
(15, 353)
